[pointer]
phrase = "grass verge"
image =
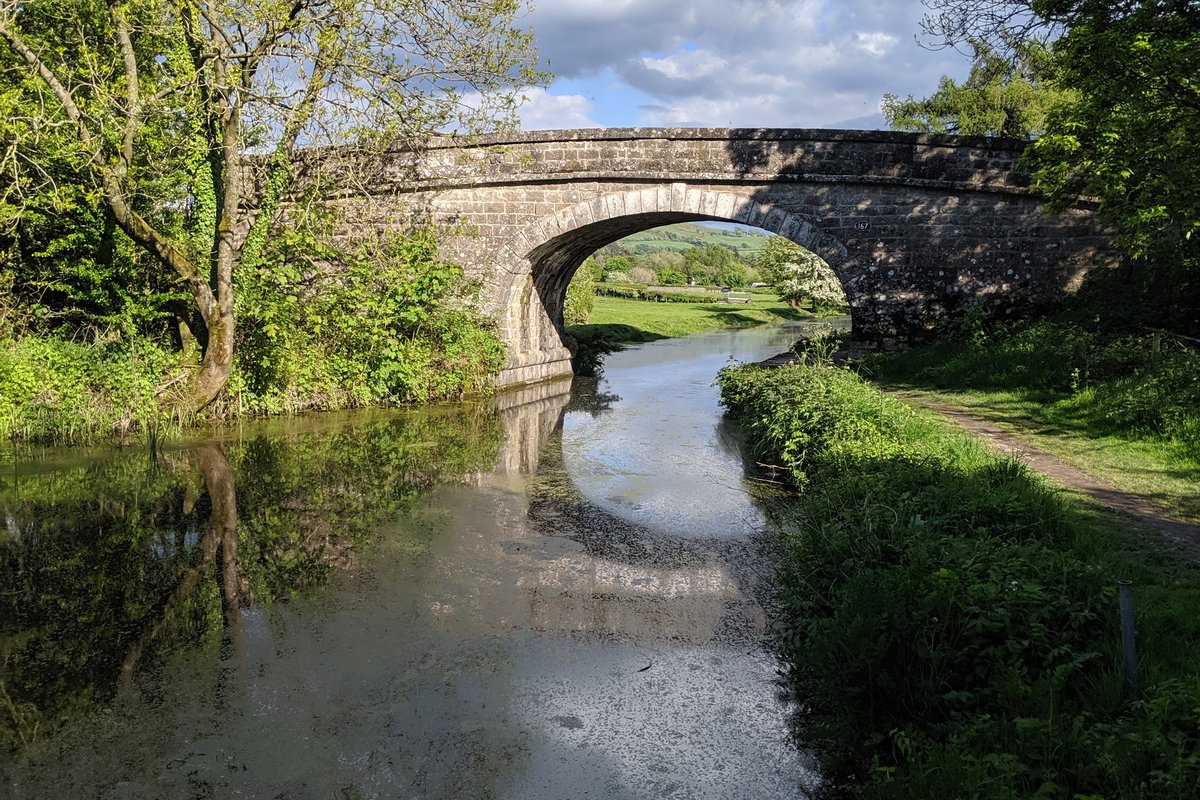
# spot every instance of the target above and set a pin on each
(669, 320)
(1125, 408)
(951, 621)
(63, 392)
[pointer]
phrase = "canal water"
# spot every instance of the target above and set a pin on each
(563, 594)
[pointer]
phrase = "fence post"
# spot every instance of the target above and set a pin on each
(1128, 645)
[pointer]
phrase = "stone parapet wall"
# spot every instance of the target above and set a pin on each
(714, 155)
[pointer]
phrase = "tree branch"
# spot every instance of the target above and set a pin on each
(133, 92)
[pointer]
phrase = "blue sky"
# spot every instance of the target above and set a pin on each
(729, 63)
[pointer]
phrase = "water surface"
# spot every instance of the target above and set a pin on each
(564, 594)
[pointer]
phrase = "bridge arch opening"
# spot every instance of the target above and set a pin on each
(556, 247)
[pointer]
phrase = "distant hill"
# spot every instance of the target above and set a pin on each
(746, 242)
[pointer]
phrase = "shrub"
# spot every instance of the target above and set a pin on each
(60, 392)
(392, 324)
(581, 298)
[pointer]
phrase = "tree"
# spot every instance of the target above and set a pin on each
(239, 89)
(1130, 137)
(704, 264)
(671, 277)
(615, 266)
(581, 298)
(665, 261)
(1127, 135)
(799, 275)
(735, 275)
(1006, 94)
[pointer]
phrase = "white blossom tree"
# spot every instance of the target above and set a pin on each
(799, 275)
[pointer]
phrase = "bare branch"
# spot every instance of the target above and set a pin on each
(997, 23)
(133, 92)
(9, 33)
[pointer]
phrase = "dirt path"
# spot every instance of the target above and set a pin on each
(1003, 441)
(1185, 534)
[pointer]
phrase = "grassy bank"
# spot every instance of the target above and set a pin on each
(650, 320)
(1122, 406)
(616, 321)
(951, 622)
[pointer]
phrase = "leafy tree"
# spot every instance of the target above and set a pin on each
(799, 275)
(664, 261)
(221, 79)
(672, 277)
(70, 266)
(704, 264)
(1006, 94)
(1130, 138)
(614, 265)
(581, 297)
(1128, 134)
(734, 275)
(593, 267)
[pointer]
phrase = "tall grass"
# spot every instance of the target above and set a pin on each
(951, 621)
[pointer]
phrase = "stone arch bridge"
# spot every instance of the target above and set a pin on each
(918, 227)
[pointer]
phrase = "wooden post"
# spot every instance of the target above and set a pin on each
(1128, 645)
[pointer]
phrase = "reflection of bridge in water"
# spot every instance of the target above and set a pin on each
(579, 568)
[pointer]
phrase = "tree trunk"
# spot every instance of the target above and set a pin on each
(220, 538)
(217, 363)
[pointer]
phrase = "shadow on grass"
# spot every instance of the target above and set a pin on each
(736, 316)
(591, 343)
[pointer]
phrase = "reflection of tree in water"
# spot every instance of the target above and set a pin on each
(103, 565)
(588, 398)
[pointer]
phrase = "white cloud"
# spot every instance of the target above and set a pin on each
(689, 65)
(788, 63)
(877, 43)
(545, 111)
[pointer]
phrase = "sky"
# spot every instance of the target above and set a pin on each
(729, 63)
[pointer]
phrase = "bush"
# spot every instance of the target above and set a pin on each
(672, 277)
(392, 324)
(581, 298)
(59, 392)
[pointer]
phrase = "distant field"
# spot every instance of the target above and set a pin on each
(641, 320)
(682, 236)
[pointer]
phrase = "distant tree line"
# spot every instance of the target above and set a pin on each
(796, 274)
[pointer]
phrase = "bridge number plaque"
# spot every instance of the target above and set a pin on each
(862, 226)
